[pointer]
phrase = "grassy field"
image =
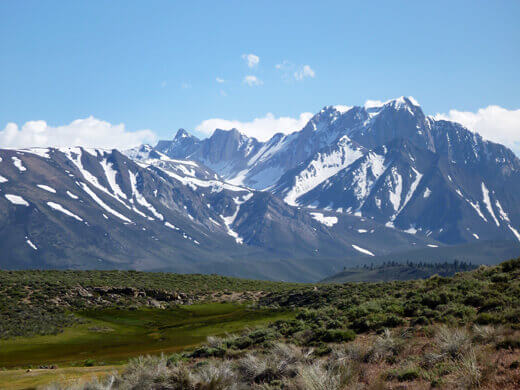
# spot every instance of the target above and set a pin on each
(441, 332)
(24, 379)
(112, 336)
(34, 303)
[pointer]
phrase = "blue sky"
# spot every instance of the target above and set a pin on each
(154, 64)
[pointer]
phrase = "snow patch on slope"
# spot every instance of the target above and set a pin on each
(476, 206)
(96, 199)
(362, 177)
(111, 174)
(59, 207)
(321, 168)
(487, 202)
(342, 109)
(515, 232)
(215, 185)
(362, 250)
(413, 188)
(327, 221)
(30, 243)
(18, 164)
(72, 195)
(171, 226)
(228, 221)
(395, 189)
(503, 214)
(141, 199)
(16, 200)
(46, 188)
(42, 152)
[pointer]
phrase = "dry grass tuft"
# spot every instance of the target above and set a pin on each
(453, 342)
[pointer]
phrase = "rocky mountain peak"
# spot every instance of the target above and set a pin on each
(181, 134)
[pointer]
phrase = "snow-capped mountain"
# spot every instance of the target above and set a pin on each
(356, 184)
(92, 208)
(388, 162)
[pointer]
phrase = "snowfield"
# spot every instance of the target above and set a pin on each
(327, 221)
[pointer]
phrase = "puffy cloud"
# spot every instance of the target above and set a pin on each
(88, 132)
(252, 80)
(260, 128)
(251, 59)
(494, 123)
(373, 103)
(303, 72)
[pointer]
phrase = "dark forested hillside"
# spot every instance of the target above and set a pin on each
(393, 270)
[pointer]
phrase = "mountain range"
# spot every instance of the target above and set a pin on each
(354, 185)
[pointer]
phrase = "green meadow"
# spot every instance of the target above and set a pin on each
(112, 336)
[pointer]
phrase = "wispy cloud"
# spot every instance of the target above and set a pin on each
(261, 128)
(303, 72)
(219, 80)
(87, 132)
(494, 123)
(164, 84)
(290, 71)
(252, 60)
(284, 65)
(185, 85)
(252, 81)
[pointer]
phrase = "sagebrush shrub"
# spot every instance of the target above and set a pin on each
(454, 342)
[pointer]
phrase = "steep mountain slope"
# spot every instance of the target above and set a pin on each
(91, 208)
(388, 162)
(85, 208)
(356, 184)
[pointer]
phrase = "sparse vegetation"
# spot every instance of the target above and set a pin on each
(368, 362)
(445, 332)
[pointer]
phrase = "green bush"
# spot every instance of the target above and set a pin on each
(488, 319)
(205, 352)
(335, 335)
(89, 363)
(404, 375)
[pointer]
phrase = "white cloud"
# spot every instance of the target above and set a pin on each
(494, 123)
(88, 132)
(251, 59)
(219, 80)
(304, 71)
(185, 85)
(373, 103)
(252, 80)
(260, 128)
(284, 65)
